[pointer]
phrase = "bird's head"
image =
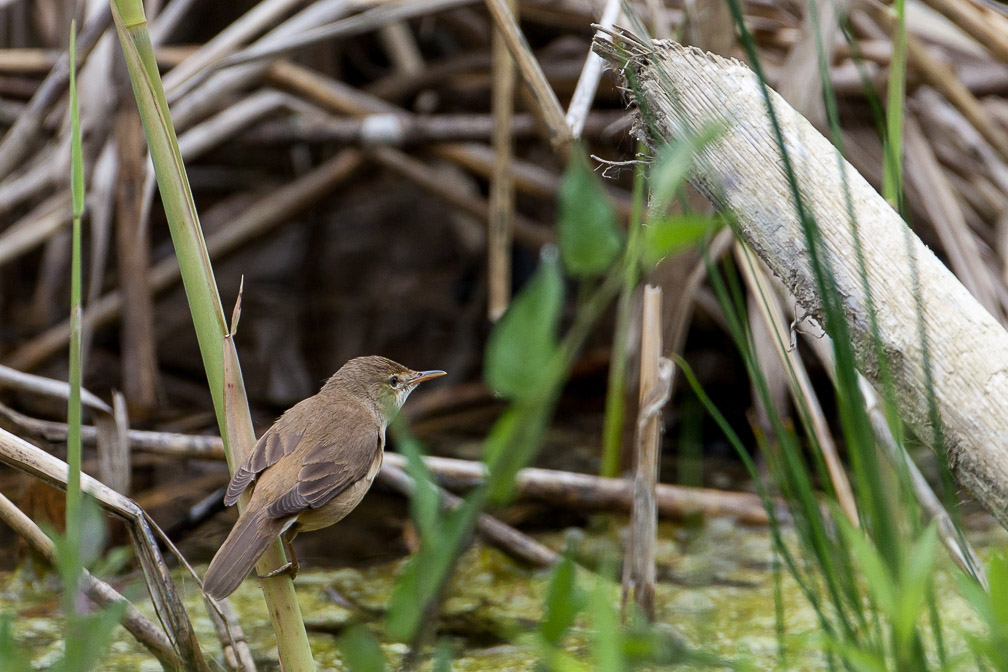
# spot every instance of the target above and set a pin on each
(384, 383)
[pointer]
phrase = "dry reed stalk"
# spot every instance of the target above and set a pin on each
(422, 175)
(58, 389)
(563, 488)
(46, 220)
(546, 104)
(237, 654)
(943, 78)
(501, 205)
(18, 141)
(655, 387)
(587, 491)
(959, 547)
(802, 86)
(262, 216)
(145, 631)
(980, 23)
(587, 84)
(139, 346)
(341, 98)
(19, 454)
(398, 130)
(947, 217)
(915, 298)
(800, 384)
(114, 464)
(493, 530)
(260, 18)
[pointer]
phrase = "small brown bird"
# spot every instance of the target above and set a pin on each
(313, 466)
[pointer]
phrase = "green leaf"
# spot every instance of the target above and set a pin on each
(670, 235)
(11, 654)
(425, 502)
(423, 576)
(512, 443)
(915, 580)
(880, 580)
(443, 654)
(607, 644)
(587, 231)
(522, 349)
(563, 602)
(997, 577)
(361, 651)
(673, 164)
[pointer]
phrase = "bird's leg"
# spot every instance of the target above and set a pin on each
(288, 537)
(290, 567)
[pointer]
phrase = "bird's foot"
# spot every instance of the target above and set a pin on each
(290, 568)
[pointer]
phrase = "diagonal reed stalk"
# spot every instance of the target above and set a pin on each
(201, 290)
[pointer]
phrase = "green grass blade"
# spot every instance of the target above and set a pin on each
(892, 179)
(73, 494)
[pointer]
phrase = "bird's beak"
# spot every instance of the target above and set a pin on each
(421, 376)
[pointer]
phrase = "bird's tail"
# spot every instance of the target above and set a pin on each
(249, 539)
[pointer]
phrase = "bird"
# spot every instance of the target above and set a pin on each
(312, 467)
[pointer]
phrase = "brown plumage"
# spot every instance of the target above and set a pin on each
(313, 466)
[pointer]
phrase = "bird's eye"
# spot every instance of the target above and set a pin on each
(393, 380)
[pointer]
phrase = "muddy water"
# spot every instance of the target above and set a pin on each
(716, 592)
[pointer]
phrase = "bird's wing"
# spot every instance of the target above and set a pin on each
(272, 445)
(329, 468)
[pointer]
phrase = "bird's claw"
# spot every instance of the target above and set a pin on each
(286, 568)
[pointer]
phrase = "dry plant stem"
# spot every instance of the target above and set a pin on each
(424, 177)
(114, 463)
(261, 17)
(547, 105)
(800, 384)
(501, 184)
(959, 548)
(493, 531)
(401, 48)
(145, 631)
(202, 94)
(478, 158)
(58, 389)
(587, 84)
(917, 299)
(38, 226)
(802, 86)
(970, 18)
(943, 78)
(940, 201)
(264, 215)
(20, 138)
(237, 653)
(183, 446)
(529, 178)
(373, 18)
(139, 351)
(562, 488)
(19, 454)
(42, 174)
(639, 561)
(397, 130)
